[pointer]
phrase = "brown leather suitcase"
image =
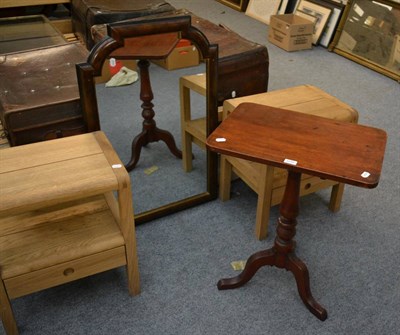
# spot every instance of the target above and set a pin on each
(39, 95)
(86, 13)
(243, 66)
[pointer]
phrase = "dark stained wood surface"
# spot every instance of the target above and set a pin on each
(148, 47)
(319, 146)
(322, 147)
(86, 73)
(150, 132)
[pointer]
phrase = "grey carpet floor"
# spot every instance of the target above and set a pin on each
(352, 256)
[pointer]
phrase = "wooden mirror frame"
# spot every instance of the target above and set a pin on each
(117, 33)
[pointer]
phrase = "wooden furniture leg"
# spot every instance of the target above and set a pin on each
(264, 201)
(123, 213)
(7, 315)
(262, 179)
(264, 193)
(282, 254)
(225, 177)
(192, 129)
(184, 94)
(128, 231)
(150, 132)
(336, 197)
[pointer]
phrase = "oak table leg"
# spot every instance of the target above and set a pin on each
(282, 254)
(6, 312)
(150, 132)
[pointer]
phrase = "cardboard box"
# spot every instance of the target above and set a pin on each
(290, 32)
(184, 55)
(107, 71)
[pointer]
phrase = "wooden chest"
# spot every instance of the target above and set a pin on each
(86, 13)
(243, 66)
(39, 96)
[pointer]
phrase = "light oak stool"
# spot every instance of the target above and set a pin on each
(269, 182)
(192, 130)
(59, 218)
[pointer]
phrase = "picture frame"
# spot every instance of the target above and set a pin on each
(239, 5)
(333, 22)
(262, 10)
(322, 13)
(307, 16)
(369, 34)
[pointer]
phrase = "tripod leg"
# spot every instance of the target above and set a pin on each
(255, 261)
(300, 272)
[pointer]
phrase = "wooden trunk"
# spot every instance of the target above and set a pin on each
(86, 13)
(243, 66)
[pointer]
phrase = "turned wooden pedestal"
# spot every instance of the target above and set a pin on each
(299, 143)
(150, 132)
(268, 181)
(143, 48)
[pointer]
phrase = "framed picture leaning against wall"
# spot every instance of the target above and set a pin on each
(262, 10)
(369, 34)
(333, 22)
(320, 12)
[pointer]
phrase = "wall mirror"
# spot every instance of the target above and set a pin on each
(160, 185)
(369, 34)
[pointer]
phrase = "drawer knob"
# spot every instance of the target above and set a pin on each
(68, 271)
(307, 186)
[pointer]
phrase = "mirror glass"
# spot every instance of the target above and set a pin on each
(158, 178)
(143, 120)
(370, 35)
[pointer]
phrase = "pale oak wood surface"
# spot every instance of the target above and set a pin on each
(53, 243)
(59, 218)
(52, 175)
(305, 99)
(192, 129)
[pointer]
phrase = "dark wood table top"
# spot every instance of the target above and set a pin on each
(346, 152)
(148, 47)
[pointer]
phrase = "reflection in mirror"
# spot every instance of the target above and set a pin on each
(370, 35)
(158, 177)
(125, 113)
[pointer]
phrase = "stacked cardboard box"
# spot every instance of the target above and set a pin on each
(290, 32)
(184, 55)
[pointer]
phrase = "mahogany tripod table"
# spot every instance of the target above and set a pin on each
(301, 143)
(144, 48)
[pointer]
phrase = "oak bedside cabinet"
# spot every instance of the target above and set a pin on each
(59, 217)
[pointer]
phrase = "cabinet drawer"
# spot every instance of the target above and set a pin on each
(309, 184)
(65, 272)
